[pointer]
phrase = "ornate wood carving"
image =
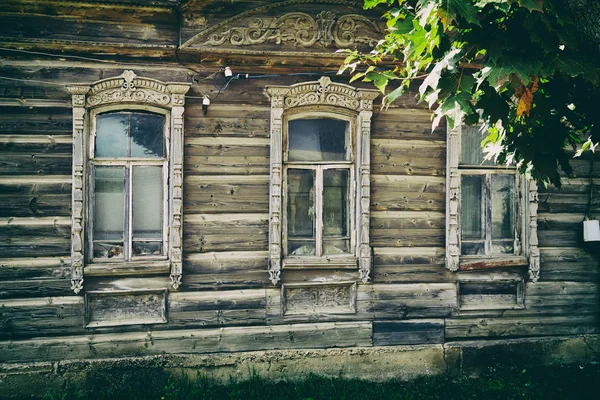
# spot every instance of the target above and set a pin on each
(452, 202)
(339, 298)
(323, 92)
(298, 29)
(533, 250)
(77, 193)
(128, 89)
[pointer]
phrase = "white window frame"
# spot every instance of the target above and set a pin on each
(321, 99)
(128, 163)
(127, 92)
(526, 204)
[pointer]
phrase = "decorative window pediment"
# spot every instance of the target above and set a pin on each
(127, 198)
(320, 177)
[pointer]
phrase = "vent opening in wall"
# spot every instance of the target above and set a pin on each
(504, 295)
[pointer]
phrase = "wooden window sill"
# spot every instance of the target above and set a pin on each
(128, 268)
(479, 263)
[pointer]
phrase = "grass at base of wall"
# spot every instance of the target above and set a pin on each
(558, 382)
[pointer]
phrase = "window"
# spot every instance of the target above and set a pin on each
(492, 210)
(318, 171)
(127, 178)
(320, 190)
(128, 163)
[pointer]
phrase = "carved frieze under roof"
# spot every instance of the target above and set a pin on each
(303, 26)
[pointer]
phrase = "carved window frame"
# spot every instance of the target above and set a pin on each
(322, 97)
(526, 215)
(127, 92)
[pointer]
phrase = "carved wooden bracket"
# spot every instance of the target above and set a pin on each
(323, 92)
(127, 90)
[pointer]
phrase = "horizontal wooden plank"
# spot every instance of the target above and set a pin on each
(34, 268)
(225, 232)
(53, 121)
(46, 316)
(568, 264)
(27, 196)
(407, 192)
(408, 157)
(35, 288)
(58, 28)
(406, 301)
(408, 332)
(410, 264)
(470, 328)
(35, 237)
(220, 308)
(226, 194)
(193, 341)
(406, 123)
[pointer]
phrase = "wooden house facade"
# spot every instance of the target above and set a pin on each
(289, 213)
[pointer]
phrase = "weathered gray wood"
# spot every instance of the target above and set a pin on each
(35, 237)
(222, 308)
(297, 336)
(36, 121)
(406, 123)
(27, 196)
(417, 331)
(31, 288)
(407, 193)
(406, 301)
(226, 194)
(407, 229)
(520, 327)
(225, 232)
(408, 157)
(568, 264)
(34, 268)
(114, 308)
(46, 316)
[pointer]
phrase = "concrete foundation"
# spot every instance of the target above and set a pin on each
(369, 363)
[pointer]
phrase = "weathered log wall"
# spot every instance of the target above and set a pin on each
(226, 301)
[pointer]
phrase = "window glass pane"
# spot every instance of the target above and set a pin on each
(323, 139)
(109, 211)
(331, 247)
(300, 211)
(147, 137)
(470, 143)
(472, 207)
(335, 209)
(147, 248)
(147, 202)
(112, 132)
(503, 213)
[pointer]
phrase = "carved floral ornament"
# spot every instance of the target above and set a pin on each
(321, 92)
(129, 88)
(298, 29)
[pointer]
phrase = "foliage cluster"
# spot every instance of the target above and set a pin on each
(527, 69)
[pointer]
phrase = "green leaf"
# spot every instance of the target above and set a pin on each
(460, 8)
(532, 5)
(380, 82)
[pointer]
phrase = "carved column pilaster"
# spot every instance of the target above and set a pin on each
(78, 94)
(452, 202)
(364, 194)
(277, 96)
(534, 251)
(178, 92)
